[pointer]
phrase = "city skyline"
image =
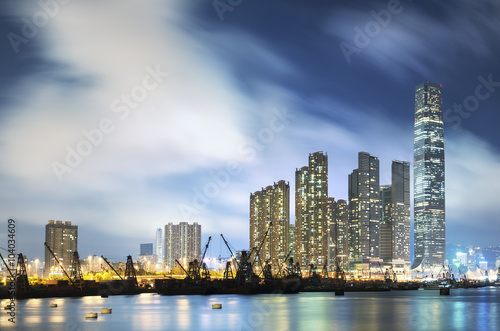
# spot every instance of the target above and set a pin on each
(122, 134)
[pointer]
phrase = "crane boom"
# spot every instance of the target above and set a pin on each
(57, 260)
(262, 244)
(230, 251)
(180, 265)
(8, 269)
(106, 260)
(203, 257)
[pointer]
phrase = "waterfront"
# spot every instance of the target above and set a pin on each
(464, 309)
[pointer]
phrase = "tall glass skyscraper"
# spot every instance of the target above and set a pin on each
(428, 176)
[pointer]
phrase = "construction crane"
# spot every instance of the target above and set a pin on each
(230, 251)
(243, 265)
(202, 264)
(76, 273)
(188, 277)
(8, 269)
(22, 282)
(109, 264)
(57, 260)
(257, 254)
(130, 275)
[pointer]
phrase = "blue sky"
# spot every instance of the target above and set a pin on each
(122, 116)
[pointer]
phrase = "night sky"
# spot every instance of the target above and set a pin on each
(122, 116)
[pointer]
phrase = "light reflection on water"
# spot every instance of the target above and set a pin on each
(397, 310)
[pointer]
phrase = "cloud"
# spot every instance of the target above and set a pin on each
(411, 40)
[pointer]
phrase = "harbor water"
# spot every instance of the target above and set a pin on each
(464, 309)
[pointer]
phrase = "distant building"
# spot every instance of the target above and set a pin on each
(270, 210)
(364, 210)
(146, 249)
(182, 242)
(63, 241)
(429, 178)
(159, 246)
(311, 212)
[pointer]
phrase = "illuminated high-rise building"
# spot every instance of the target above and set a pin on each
(182, 242)
(400, 211)
(386, 223)
(270, 209)
(429, 178)
(311, 211)
(364, 208)
(63, 241)
(159, 246)
(395, 215)
(338, 250)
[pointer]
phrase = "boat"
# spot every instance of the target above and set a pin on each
(105, 310)
(53, 305)
(91, 315)
(217, 306)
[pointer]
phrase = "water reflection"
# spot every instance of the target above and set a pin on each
(405, 310)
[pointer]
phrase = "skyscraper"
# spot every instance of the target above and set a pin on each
(364, 207)
(63, 241)
(395, 215)
(338, 250)
(182, 242)
(400, 211)
(386, 241)
(271, 206)
(159, 246)
(311, 211)
(428, 176)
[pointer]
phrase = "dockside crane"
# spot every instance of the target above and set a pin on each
(188, 276)
(109, 264)
(57, 260)
(130, 274)
(76, 273)
(202, 264)
(22, 282)
(257, 254)
(244, 262)
(8, 269)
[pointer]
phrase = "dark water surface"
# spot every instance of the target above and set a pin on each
(464, 309)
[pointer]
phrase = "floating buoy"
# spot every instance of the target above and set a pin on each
(217, 306)
(105, 310)
(91, 315)
(53, 304)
